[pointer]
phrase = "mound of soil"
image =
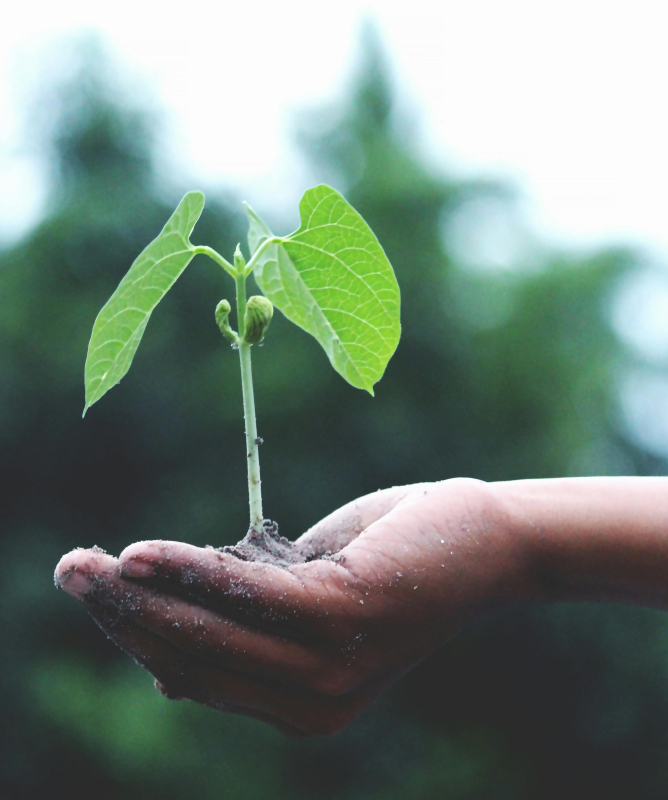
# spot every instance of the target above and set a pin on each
(269, 547)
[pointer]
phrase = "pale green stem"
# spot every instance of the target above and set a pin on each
(225, 264)
(252, 449)
(254, 258)
(209, 251)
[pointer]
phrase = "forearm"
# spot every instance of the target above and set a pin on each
(594, 539)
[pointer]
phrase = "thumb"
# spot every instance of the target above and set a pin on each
(341, 527)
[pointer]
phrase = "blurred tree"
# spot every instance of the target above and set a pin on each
(499, 375)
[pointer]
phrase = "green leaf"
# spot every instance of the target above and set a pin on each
(332, 278)
(121, 323)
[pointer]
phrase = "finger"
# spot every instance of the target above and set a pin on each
(342, 526)
(292, 710)
(175, 676)
(205, 634)
(79, 568)
(296, 602)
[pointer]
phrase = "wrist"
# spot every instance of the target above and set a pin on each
(523, 539)
(590, 539)
(511, 571)
(499, 557)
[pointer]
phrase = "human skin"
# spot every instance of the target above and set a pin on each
(308, 648)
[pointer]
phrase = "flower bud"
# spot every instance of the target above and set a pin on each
(222, 313)
(259, 312)
(239, 260)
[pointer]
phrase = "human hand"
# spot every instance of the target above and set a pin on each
(308, 647)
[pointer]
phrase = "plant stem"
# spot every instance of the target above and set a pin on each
(215, 256)
(260, 250)
(252, 449)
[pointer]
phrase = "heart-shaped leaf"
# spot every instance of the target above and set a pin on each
(121, 322)
(332, 278)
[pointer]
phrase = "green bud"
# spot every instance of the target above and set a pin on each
(222, 314)
(259, 312)
(239, 260)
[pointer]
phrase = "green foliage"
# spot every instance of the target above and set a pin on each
(120, 324)
(332, 278)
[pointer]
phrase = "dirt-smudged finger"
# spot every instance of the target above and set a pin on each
(203, 633)
(223, 642)
(295, 712)
(299, 599)
(176, 677)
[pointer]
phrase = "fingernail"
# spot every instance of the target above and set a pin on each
(75, 584)
(137, 569)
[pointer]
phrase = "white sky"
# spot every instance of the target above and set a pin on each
(567, 99)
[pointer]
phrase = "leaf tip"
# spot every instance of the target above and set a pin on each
(249, 209)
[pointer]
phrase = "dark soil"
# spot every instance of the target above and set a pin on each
(269, 547)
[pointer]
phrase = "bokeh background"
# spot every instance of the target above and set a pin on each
(521, 356)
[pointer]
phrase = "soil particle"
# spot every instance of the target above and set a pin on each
(269, 547)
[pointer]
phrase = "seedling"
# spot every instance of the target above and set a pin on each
(331, 277)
